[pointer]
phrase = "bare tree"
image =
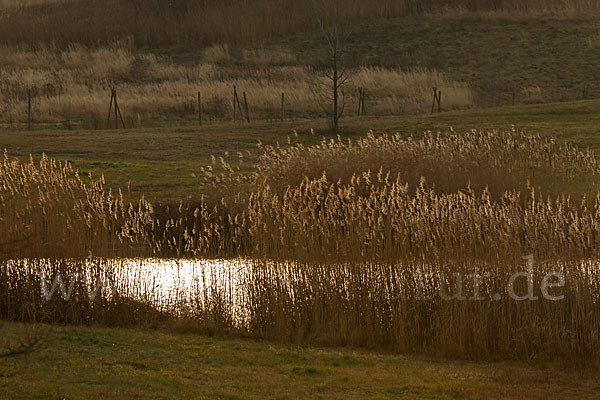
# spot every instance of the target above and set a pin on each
(334, 71)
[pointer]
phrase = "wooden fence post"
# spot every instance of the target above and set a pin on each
(112, 97)
(246, 107)
(116, 109)
(234, 101)
(362, 101)
(114, 105)
(121, 116)
(437, 98)
(29, 116)
(199, 109)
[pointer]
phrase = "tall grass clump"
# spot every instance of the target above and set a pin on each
(65, 245)
(448, 161)
(363, 258)
(52, 221)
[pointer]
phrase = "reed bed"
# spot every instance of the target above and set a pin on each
(397, 306)
(366, 257)
(497, 160)
(48, 210)
(87, 297)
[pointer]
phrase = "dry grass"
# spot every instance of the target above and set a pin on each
(360, 257)
(373, 200)
(75, 85)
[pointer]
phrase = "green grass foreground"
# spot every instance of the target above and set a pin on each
(100, 363)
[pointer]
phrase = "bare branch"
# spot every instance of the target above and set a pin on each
(27, 344)
(335, 73)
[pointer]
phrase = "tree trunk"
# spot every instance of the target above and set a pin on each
(336, 115)
(335, 82)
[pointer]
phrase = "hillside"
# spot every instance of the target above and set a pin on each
(194, 22)
(537, 59)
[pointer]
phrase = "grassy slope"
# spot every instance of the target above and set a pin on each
(164, 163)
(497, 55)
(84, 362)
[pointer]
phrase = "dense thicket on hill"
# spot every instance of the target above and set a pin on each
(193, 23)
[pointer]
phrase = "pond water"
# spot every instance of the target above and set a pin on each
(162, 282)
(177, 283)
(178, 279)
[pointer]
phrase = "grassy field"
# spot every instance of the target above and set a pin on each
(121, 363)
(164, 163)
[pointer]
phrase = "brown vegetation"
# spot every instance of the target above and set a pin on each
(25, 344)
(201, 23)
(449, 162)
(74, 86)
